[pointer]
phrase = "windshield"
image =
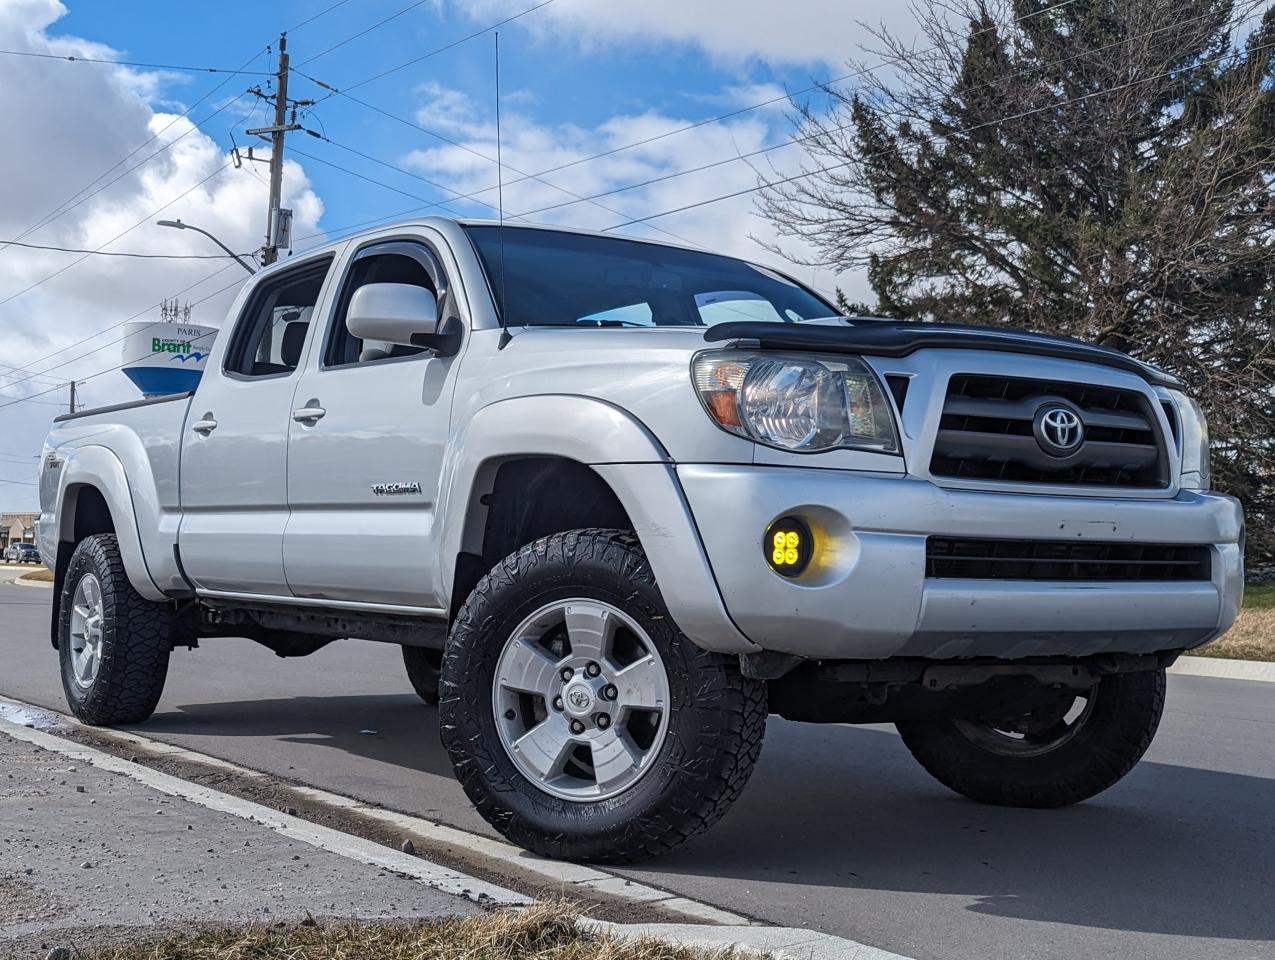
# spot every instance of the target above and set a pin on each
(570, 279)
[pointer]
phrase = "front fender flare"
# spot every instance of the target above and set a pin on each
(629, 458)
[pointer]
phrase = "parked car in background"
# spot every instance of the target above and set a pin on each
(619, 501)
(21, 553)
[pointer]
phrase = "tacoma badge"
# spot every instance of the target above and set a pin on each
(396, 489)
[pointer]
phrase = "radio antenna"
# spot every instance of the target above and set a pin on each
(500, 206)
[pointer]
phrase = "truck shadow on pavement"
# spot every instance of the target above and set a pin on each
(1171, 850)
(395, 729)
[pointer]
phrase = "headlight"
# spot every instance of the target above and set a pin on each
(796, 402)
(1196, 474)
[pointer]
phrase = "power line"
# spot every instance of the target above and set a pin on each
(63, 209)
(445, 47)
(112, 253)
(313, 17)
(961, 132)
(380, 23)
(131, 63)
(9, 366)
(119, 366)
(390, 166)
(800, 140)
(889, 61)
(122, 233)
(94, 336)
(523, 177)
(483, 156)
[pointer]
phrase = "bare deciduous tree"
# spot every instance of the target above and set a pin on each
(1098, 168)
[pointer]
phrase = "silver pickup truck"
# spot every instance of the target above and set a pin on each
(618, 501)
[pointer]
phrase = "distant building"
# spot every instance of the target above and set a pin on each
(17, 528)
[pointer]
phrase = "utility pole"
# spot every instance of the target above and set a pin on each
(278, 220)
(271, 252)
(73, 396)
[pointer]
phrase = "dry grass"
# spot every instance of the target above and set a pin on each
(543, 932)
(1253, 636)
(43, 575)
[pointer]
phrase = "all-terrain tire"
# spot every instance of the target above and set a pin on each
(716, 717)
(424, 668)
(1113, 737)
(135, 640)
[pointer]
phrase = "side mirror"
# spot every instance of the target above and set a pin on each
(398, 313)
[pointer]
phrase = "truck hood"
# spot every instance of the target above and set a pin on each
(895, 338)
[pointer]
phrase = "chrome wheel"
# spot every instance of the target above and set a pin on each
(581, 698)
(87, 616)
(1044, 729)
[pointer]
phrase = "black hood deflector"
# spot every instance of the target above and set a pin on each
(887, 338)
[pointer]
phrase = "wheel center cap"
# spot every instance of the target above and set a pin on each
(578, 698)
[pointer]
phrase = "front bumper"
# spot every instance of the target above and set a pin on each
(866, 595)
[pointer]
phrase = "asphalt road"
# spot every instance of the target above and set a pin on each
(839, 829)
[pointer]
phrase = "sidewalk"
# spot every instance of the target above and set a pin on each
(88, 855)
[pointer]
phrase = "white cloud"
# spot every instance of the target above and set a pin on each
(727, 226)
(792, 32)
(85, 118)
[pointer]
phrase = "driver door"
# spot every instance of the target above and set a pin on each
(364, 474)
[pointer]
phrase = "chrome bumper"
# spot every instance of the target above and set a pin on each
(866, 594)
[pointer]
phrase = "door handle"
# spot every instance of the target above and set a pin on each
(204, 426)
(308, 414)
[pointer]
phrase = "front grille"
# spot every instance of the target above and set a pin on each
(980, 559)
(989, 431)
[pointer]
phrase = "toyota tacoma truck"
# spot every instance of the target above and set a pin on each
(619, 501)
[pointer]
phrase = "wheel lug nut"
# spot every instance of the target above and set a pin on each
(557, 704)
(603, 720)
(593, 670)
(510, 715)
(567, 673)
(577, 726)
(609, 692)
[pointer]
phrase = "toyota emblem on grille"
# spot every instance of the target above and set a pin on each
(1059, 430)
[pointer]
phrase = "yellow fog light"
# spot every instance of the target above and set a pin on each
(788, 546)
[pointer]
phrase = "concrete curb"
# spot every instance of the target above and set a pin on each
(22, 581)
(355, 848)
(717, 929)
(1226, 669)
(504, 855)
(786, 942)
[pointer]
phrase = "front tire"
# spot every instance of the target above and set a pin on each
(1053, 757)
(113, 645)
(580, 721)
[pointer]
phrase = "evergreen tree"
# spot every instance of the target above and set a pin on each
(1099, 168)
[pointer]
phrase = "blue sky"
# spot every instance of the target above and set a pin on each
(106, 152)
(551, 73)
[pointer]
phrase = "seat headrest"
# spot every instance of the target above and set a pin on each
(293, 341)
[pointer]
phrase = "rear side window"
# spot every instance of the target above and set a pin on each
(272, 329)
(393, 262)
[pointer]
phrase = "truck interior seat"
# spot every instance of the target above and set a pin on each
(293, 341)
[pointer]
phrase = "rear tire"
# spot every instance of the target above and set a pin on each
(113, 644)
(424, 669)
(683, 726)
(1053, 764)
